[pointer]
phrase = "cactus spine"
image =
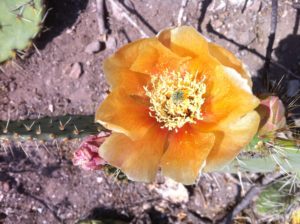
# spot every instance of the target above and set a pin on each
(278, 202)
(20, 22)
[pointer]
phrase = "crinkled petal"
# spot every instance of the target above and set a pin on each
(228, 59)
(131, 65)
(231, 138)
(202, 66)
(153, 58)
(137, 159)
(123, 113)
(116, 67)
(228, 95)
(184, 41)
(186, 153)
(118, 77)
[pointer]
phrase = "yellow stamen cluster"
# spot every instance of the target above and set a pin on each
(176, 98)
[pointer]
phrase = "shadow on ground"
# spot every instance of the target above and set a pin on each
(61, 15)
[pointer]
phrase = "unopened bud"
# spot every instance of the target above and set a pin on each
(272, 113)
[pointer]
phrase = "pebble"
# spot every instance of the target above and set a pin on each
(51, 108)
(146, 206)
(111, 43)
(217, 23)
(74, 70)
(93, 47)
(12, 86)
(173, 191)
(5, 186)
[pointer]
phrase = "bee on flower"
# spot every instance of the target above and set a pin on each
(179, 104)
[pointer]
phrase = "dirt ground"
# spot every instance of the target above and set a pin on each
(40, 184)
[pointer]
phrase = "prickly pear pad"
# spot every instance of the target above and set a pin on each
(20, 22)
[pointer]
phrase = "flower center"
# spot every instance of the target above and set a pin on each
(176, 98)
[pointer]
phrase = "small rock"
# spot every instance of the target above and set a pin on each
(93, 47)
(146, 206)
(217, 23)
(173, 191)
(293, 87)
(74, 70)
(69, 31)
(51, 108)
(111, 43)
(12, 86)
(6, 186)
(40, 210)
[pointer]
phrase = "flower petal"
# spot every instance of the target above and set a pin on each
(131, 65)
(186, 153)
(184, 41)
(118, 77)
(153, 58)
(122, 59)
(228, 94)
(137, 159)
(228, 59)
(125, 113)
(231, 138)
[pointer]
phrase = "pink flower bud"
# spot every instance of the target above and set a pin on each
(87, 155)
(272, 112)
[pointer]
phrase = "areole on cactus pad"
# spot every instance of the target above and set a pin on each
(20, 23)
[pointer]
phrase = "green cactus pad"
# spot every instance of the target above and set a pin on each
(20, 22)
(277, 200)
(284, 156)
(48, 129)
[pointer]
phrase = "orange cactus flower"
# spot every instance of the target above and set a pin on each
(178, 103)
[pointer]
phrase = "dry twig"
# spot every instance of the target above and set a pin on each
(123, 13)
(181, 11)
(101, 19)
(271, 42)
(250, 195)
